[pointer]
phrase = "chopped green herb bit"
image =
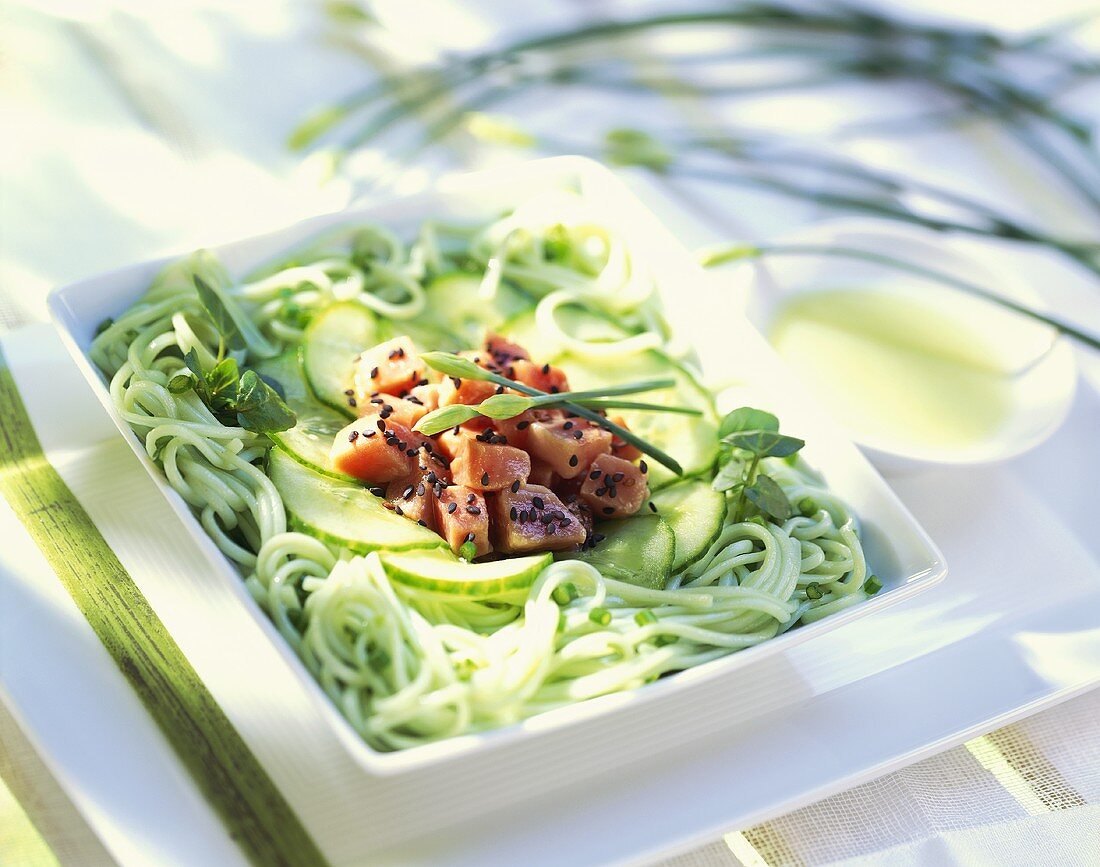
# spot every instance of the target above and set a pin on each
(814, 591)
(601, 616)
(565, 593)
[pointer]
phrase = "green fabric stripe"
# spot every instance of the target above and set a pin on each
(229, 775)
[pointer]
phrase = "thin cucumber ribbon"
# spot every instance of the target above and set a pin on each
(229, 775)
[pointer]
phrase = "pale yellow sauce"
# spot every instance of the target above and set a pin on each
(892, 369)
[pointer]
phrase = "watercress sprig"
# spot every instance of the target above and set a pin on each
(235, 398)
(748, 436)
(463, 368)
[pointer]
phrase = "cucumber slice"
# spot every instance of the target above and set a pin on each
(342, 513)
(578, 322)
(639, 550)
(692, 440)
(310, 440)
(455, 306)
(695, 513)
(445, 573)
(332, 341)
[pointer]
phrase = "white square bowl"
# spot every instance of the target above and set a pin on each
(570, 743)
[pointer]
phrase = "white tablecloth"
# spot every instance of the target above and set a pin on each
(130, 132)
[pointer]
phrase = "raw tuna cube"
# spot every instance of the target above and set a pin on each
(567, 445)
(466, 391)
(462, 515)
(579, 509)
(614, 488)
(413, 496)
(449, 443)
(503, 351)
(392, 367)
(533, 519)
(426, 395)
(541, 474)
(398, 409)
(489, 467)
(541, 376)
(372, 455)
(517, 429)
(620, 448)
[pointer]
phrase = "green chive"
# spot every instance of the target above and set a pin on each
(601, 616)
(467, 551)
(645, 617)
(662, 640)
(872, 585)
(813, 590)
(565, 593)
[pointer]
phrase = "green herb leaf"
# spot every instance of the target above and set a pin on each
(191, 359)
(259, 407)
(180, 383)
(745, 418)
(633, 147)
(450, 364)
(439, 420)
(222, 382)
(768, 497)
(235, 326)
(764, 443)
(501, 406)
(729, 477)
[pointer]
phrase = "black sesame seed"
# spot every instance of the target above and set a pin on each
(411, 453)
(513, 514)
(353, 436)
(397, 509)
(595, 474)
(484, 479)
(618, 477)
(554, 389)
(351, 402)
(643, 466)
(420, 489)
(469, 537)
(546, 519)
(349, 391)
(432, 478)
(471, 498)
(652, 506)
(457, 382)
(523, 425)
(609, 510)
(515, 486)
(407, 493)
(546, 368)
(377, 401)
(578, 434)
(367, 434)
(601, 491)
(573, 460)
(565, 522)
(613, 492)
(451, 508)
(567, 426)
(374, 373)
(422, 523)
(378, 492)
(381, 424)
(537, 502)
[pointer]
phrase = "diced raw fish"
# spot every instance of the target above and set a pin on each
(567, 445)
(614, 488)
(372, 455)
(533, 519)
(392, 367)
(462, 515)
(489, 467)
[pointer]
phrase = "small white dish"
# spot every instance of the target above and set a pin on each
(612, 730)
(1040, 372)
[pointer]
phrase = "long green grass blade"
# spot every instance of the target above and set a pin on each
(231, 778)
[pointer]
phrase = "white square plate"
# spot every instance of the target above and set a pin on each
(575, 742)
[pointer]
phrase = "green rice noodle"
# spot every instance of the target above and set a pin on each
(408, 666)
